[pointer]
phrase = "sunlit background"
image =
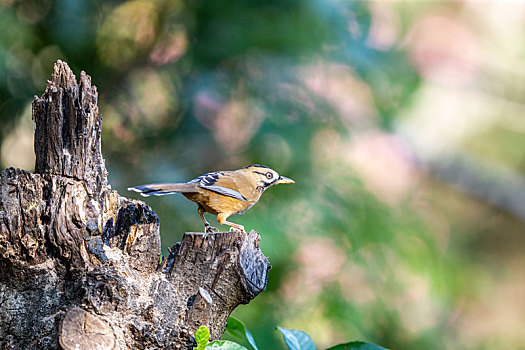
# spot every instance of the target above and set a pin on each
(401, 122)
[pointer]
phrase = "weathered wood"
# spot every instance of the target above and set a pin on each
(68, 126)
(79, 264)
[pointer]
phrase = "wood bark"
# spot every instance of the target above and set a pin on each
(80, 265)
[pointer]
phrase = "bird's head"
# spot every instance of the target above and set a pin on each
(265, 177)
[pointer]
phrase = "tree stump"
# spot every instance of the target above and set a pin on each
(80, 266)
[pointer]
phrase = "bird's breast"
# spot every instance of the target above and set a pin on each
(246, 208)
(229, 205)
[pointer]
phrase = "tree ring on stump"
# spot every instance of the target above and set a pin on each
(81, 329)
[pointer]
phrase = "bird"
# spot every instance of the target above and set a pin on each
(221, 193)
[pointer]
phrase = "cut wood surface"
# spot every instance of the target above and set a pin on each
(80, 265)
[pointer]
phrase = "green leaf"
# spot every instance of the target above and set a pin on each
(297, 340)
(224, 345)
(357, 345)
(236, 328)
(202, 337)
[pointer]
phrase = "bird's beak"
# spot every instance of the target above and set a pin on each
(284, 180)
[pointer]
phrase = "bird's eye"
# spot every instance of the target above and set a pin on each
(269, 175)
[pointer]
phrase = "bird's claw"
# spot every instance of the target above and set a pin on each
(233, 229)
(210, 229)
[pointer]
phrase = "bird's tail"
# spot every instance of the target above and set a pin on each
(162, 189)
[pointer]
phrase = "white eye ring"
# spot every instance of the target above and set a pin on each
(269, 175)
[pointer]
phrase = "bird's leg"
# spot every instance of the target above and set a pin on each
(234, 226)
(222, 220)
(207, 227)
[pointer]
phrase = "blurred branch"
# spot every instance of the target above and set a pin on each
(495, 184)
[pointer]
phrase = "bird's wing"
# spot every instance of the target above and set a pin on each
(208, 179)
(219, 182)
(225, 191)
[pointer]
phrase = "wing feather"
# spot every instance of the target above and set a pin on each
(224, 191)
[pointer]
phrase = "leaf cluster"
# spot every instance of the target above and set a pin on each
(294, 339)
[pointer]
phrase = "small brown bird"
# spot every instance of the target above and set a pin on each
(221, 193)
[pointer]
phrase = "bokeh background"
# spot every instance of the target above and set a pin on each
(401, 122)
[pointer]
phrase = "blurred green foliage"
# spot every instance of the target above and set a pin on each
(293, 338)
(366, 244)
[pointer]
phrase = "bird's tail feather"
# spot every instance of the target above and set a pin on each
(162, 189)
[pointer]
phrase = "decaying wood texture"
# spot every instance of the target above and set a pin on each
(79, 264)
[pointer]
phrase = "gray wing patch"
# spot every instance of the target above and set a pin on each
(224, 191)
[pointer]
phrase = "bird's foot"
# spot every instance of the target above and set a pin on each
(240, 228)
(210, 229)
